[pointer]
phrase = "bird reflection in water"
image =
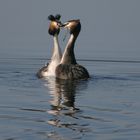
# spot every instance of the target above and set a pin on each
(63, 94)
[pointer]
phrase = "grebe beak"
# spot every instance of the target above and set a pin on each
(64, 24)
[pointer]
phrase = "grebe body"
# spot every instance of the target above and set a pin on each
(68, 67)
(71, 71)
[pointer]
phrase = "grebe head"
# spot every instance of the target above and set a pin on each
(54, 27)
(74, 26)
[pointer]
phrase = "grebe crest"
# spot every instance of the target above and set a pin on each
(54, 29)
(68, 67)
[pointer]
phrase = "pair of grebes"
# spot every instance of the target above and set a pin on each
(63, 66)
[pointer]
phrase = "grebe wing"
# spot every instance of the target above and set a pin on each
(42, 70)
(70, 71)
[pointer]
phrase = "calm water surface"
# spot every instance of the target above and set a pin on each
(105, 107)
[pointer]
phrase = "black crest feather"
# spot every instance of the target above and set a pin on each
(57, 17)
(51, 17)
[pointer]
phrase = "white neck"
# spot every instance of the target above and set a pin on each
(56, 50)
(55, 59)
(67, 49)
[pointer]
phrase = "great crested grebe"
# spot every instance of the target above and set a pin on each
(54, 29)
(68, 67)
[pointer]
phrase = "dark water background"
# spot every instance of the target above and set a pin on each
(105, 107)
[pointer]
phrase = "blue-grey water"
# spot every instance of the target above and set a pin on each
(105, 107)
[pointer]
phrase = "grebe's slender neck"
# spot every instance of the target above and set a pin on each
(56, 49)
(68, 55)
